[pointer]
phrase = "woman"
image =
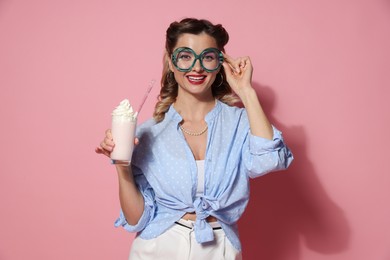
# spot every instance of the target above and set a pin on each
(189, 180)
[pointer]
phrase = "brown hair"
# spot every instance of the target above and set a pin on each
(169, 86)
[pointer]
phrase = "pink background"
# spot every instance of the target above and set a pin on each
(321, 71)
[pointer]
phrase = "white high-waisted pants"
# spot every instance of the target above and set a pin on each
(178, 243)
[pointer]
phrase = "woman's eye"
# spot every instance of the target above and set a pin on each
(209, 57)
(184, 56)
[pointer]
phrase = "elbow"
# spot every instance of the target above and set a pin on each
(277, 162)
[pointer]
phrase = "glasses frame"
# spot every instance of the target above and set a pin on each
(197, 57)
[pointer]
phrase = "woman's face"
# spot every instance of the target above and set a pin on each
(197, 81)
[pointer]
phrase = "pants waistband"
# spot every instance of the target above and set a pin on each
(190, 224)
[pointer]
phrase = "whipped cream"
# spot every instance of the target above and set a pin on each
(124, 111)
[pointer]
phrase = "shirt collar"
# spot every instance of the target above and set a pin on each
(173, 115)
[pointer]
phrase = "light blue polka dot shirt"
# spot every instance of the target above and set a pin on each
(166, 173)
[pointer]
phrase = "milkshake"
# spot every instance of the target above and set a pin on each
(124, 121)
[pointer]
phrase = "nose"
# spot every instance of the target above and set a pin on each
(197, 67)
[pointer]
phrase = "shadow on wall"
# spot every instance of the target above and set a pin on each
(290, 207)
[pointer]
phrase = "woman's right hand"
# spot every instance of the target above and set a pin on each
(107, 145)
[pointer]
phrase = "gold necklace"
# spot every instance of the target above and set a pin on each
(194, 133)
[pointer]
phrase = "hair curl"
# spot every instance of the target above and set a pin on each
(169, 87)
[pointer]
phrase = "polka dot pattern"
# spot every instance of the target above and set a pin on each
(166, 172)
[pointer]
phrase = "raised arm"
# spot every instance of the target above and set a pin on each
(239, 76)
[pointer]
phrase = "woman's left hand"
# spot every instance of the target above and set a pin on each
(238, 73)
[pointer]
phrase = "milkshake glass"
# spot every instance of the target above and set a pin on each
(124, 122)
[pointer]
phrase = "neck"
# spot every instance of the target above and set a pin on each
(194, 109)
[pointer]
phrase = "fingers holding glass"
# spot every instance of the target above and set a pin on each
(107, 145)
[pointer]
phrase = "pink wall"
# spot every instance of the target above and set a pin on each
(321, 70)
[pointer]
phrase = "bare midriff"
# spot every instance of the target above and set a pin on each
(192, 217)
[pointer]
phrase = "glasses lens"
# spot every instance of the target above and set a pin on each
(184, 59)
(210, 59)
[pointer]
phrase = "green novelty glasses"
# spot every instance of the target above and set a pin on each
(184, 59)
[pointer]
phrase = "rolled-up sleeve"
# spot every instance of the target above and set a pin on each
(149, 206)
(262, 155)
